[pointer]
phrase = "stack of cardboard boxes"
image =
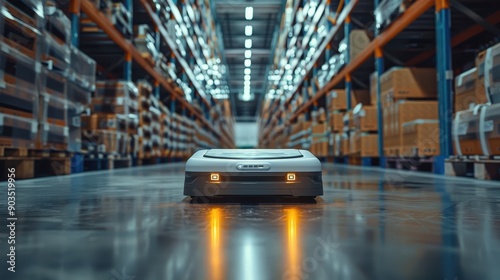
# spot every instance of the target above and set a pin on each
(408, 95)
(19, 73)
(300, 134)
(347, 127)
(365, 135)
(112, 125)
(46, 82)
(320, 134)
(476, 124)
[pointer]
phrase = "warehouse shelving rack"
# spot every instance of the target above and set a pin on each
(132, 54)
(278, 120)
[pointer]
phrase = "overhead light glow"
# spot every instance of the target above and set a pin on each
(248, 62)
(248, 71)
(247, 83)
(248, 53)
(246, 87)
(249, 13)
(248, 43)
(248, 30)
(247, 77)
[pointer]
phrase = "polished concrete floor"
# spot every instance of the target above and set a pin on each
(370, 224)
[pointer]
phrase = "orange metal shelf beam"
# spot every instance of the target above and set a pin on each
(458, 39)
(398, 25)
(103, 22)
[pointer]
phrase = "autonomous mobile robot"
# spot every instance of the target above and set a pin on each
(253, 172)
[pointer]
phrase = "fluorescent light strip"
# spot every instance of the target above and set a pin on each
(248, 30)
(249, 13)
(248, 43)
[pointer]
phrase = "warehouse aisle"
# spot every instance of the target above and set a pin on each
(369, 224)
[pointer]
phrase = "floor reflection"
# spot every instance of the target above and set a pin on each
(292, 250)
(216, 248)
(368, 225)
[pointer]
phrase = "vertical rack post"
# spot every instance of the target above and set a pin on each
(379, 66)
(444, 80)
(74, 10)
(156, 89)
(127, 66)
(347, 35)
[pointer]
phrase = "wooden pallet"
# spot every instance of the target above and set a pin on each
(357, 159)
(482, 168)
(32, 167)
(100, 161)
(411, 163)
(13, 152)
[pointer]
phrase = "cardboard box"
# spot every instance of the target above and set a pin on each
(480, 89)
(337, 100)
(337, 121)
(366, 119)
(115, 89)
(465, 90)
(319, 128)
(407, 111)
(368, 145)
(416, 83)
(420, 138)
(105, 122)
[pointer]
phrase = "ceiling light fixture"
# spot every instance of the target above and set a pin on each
(248, 53)
(248, 62)
(248, 43)
(248, 71)
(249, 13)
(248, 30)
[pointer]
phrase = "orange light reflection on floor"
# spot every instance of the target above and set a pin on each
(293, 264)
(216, 256)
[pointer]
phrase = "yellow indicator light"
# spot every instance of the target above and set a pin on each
(214, 177)
(290, 177)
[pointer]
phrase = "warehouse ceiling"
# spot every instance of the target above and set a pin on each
(232, 15)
